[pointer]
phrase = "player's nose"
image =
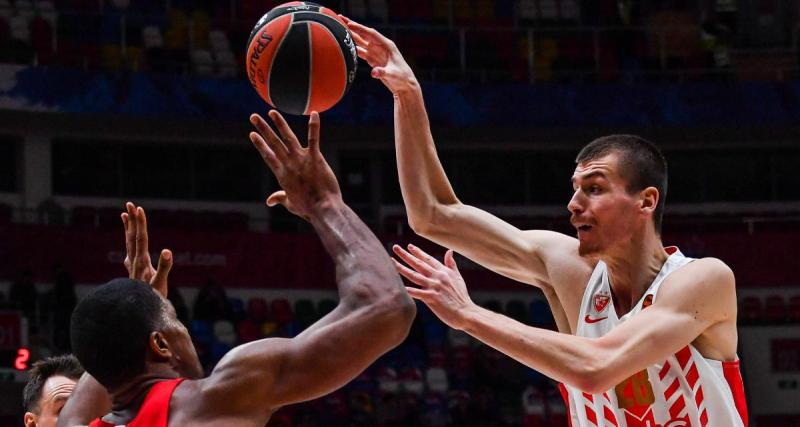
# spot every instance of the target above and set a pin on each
(574, 205)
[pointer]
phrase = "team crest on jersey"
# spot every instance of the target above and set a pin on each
(601, 300)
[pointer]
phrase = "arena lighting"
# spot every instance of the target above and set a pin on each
(21, 362)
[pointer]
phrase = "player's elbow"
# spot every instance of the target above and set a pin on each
(397, 314)
(431, 221)
(595, 374)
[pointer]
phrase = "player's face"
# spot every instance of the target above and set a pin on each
(184, 354)
(55, 392)
(603, 212)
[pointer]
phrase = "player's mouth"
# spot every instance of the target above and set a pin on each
(583, 228)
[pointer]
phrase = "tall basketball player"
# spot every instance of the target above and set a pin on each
(648, 336)
(127, 336)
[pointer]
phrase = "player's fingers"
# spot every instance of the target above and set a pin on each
(142, 240)
(269, 137)
(369, 34)
(313, 132)
(420, 294)
(266, 153)
(159, 281)
(286, 132)
(278, 197)
(411, 275)
(413, 261)
(450, 261)
(419, 253)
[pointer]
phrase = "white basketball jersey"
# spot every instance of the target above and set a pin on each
(685, 390)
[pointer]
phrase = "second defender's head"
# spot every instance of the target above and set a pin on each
(620, 186)
(50, 383)
(124, 329)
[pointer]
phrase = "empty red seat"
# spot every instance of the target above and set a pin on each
(794, 309)
(281, 311)
(775, 309)
(257, 310)
(750, 310)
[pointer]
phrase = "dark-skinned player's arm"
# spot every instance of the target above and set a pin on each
(374, 312)
(539, 257)
(90, 400)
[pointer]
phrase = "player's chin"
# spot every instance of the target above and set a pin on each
(587, 248)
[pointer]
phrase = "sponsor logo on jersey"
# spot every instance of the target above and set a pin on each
(589, 320)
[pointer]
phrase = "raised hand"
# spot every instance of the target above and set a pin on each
(137, 256)
(441, 286)
(388, 64)
(305, 177)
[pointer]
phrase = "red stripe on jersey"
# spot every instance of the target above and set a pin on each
(704, 418)
(589, 397)
(734, 378)
(664, 371)
(683, 356)
(692, 376)
(698, 398)
(671, 389)
(677, 407)
(591, 416)
(610, 417)
(565, 396)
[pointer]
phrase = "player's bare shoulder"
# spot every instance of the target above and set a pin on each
(704, 288)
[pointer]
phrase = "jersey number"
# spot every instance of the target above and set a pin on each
(635, 391)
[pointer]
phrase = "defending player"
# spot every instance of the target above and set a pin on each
(656, 331)
(50, 383)
(128, 338)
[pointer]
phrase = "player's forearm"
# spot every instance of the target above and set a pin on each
(574, 360)
(364, 272)
(423, 182)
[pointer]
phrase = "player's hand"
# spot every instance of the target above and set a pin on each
(305, 177)
(388, 64)
(441, 286)
(137, 256)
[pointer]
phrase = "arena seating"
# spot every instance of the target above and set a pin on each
(574, 39)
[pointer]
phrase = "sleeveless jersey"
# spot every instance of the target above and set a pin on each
(154, 411)
(685, 390)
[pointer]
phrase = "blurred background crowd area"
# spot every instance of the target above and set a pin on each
(446, 40)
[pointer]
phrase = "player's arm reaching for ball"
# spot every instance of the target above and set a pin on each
(90, 399)
(536, 257)
(374, 313)
(698, 299)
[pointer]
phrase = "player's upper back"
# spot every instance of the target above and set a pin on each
(154, 411)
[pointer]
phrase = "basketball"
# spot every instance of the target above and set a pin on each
(301, 58)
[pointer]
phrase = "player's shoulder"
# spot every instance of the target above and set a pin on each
(703, 276)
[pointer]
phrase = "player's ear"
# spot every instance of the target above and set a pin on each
(159, 345)
(649, 199)
(29, 420)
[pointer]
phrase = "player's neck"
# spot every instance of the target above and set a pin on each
(632, 267)
(127, 399)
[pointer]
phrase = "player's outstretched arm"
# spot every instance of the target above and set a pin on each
(433, 209)
(696, 304)
(374, 312)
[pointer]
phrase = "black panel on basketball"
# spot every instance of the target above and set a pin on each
(341, 35)
(289, 78)
(279, 11)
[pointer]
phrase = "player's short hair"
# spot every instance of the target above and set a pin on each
(111, 328)
(641, 163)
(65, 365)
